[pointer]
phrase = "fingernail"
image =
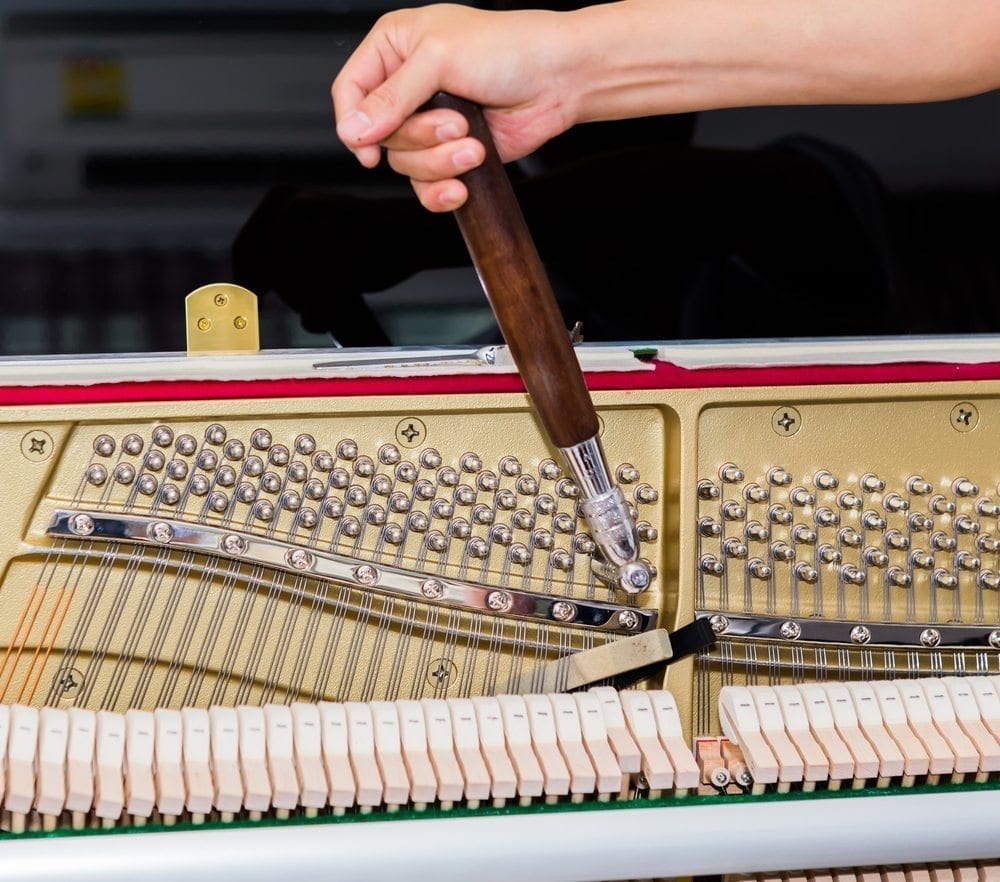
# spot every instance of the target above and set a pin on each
(447, 132)
(353, 126)
(449, 198)
(464, 159)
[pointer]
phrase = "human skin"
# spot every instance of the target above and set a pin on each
(536, 73)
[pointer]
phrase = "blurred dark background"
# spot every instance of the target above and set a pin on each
(150, 148)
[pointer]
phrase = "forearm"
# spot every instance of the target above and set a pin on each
(640, 57)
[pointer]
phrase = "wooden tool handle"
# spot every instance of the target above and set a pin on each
(519, 292)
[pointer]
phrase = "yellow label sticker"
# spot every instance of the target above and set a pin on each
(94, 87)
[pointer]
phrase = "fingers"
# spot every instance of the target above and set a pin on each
(432, 149)
(428, 129)
(441, 195)
(439, 162)
(376, 92)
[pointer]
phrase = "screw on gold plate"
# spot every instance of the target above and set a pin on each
(964, 417)
(786, 421)
(37, 445)
(410, 432)
(222, 318)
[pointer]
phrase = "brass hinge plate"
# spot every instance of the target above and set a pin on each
(222, 318)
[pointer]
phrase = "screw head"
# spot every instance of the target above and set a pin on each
(441, 672)
(720, 777)
(366, 574)
(719, 623)
(81, 524)
(410, 432)
(499, 601)
(69, 682)
(628, 619)
(204, 324)
(240, 323)
(161, 532)
(299, 559)
(564, 611)
(432, 589)
(930, 637)
(791, 630)
(233, 544)
(994, 639)
(964, 417)
(37, 446)
(634, 577)
(860, 634)
(221, 299)
(786, 421)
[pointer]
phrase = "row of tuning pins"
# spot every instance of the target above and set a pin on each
(357, 491)
(949, 526)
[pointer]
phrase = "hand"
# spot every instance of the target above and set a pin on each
(516, 65)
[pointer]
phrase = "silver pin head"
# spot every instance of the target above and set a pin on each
(791, 630)
(564, 611)
(633, 577)
(628, 619)
(81, 524)
(161, 532)
(860, 634)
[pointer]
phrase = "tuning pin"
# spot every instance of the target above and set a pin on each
(873, 521)
(899, 577)
(896, 540)
(801, 497)
(733, 511)
(806, 573)
(872, 483)
(646, 494)
(987, 508)
(646, 531)
(828, 554)
(964, 487)
(940, 505)
(964, 524)
(781, 551)
(730, 474)
(778, 477)
(852, 575)
(627, 474)
(734, 548)
(893, 502)
(987, 544)
(707, 490)
(710, 565)
(823, 480)
(988, 579)
(803, 535)
(875, 557)
(778, 514)
(943, 579)
(941, 542)
(849, 537)
(709, 528)
(848, 500)
(967, 561)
